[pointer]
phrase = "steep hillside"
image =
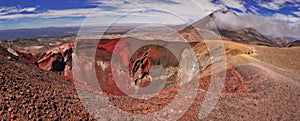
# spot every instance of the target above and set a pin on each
(247, 36)
(29, 93)
(256, 81)
(282, 42)
(253, 89)
(202, 30)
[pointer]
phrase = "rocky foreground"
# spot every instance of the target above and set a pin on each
(29, 93)
(253, 89)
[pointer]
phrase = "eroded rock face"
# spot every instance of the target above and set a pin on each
(133, 58)
(58, 60)
(140, 68)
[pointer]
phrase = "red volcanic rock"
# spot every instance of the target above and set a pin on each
(105, 49)
(142, 57)
(140, 68)
(122, 49)
(58, 59)
(27, 56)
(134, 69)
(108, 82)
(32, 94)
(234, 82)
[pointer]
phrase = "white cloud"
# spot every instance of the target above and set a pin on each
(238, 4)
(15, 10)
(275, 4)
(266, 25)
(297, 13)
(288, 18)
(30, 9)
(50, 14)
(188, 10)
(254, 9)
(7, 10)
(142, 10)
(208, 6)
(271, 5)
(2, 9)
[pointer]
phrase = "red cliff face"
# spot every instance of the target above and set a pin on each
(27, 56)
(58, 59)
(133, 59)
(118, 46)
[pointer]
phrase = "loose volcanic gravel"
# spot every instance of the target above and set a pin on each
(29, 93)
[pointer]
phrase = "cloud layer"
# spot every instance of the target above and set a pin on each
(266, 25)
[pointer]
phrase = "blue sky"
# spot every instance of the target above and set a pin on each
(47, 13)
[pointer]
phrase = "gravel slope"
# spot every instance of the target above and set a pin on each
(29, 93)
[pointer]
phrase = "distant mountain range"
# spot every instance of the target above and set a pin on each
(196, 31)
(57, 32)
(38, 32)
(202, 30)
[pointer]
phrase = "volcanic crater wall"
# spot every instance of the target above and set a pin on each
(125, 50)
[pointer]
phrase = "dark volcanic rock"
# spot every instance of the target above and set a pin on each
(282, 42)
(29, 92)
(294, 44)
(247, 36)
